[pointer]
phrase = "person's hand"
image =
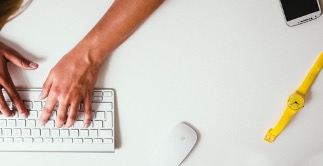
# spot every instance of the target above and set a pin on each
(69, 83)
(7, 54)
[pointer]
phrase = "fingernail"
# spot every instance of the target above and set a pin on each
(41, 123)
(33, 65)
(86, 125)
(41, 96)
(24, 115)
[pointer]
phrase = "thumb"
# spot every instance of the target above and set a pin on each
(15, 58)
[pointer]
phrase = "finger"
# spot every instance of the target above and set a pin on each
(15, 98)
(47, 110)
(17, 59)
(87, 110)
(72, 115)
(4, 107)
(61, 115)
(46, 88)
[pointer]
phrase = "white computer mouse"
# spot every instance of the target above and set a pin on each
(175, 146)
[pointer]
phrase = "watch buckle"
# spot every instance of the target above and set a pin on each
(270, 137)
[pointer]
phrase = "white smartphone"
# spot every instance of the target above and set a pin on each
(300, 11)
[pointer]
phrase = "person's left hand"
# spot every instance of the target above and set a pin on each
(69, 83)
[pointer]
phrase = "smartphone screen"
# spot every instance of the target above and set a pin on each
(297, 8)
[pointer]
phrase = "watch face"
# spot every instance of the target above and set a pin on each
(295, 101)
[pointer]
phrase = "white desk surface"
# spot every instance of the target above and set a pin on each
(225, 67)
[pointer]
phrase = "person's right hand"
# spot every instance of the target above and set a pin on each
(7, 54)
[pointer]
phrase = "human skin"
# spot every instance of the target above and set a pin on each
(7, 54)
(71, 81)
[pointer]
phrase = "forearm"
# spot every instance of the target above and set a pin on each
(117, 24)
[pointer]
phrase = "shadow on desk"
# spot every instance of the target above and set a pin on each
(117, 138)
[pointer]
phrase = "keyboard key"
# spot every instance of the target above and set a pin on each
(97, 140)
(88, 140)
(45, 132)
(33, 115)
(21, 123)
(37, 105)
(11, 123)
(108, 123)
(28, 140)
(64, 133)
(74, 133)
(84, 133)
(50, 124)
(48, 140)
(97, 124)
(58, 140)
(3, 123)
(102, 106)
(99, 115)
(28, 105)
(107, 141)
(53, 116)
(97, 93)
(18, 140)
(97, 98)
(107, 93)
(78, 124)
(93, 133)
(38, 140)
(68, 140)
(78, 140)
(16, 132)
(26, 132)
(8, 140)
(105, 133)
(35, 132)
(31, 123)
(6, 132)
(54, 133)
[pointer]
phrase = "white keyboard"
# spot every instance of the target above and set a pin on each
(27, 135)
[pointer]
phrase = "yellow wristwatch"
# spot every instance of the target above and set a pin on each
(295, 101)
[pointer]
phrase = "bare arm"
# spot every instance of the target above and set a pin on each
(72, 79)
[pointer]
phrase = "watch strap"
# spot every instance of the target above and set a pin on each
(316, 68)
(273, 133)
